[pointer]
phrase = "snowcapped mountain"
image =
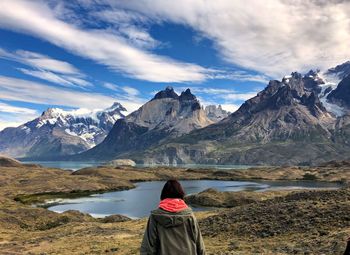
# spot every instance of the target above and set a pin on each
(59, 132)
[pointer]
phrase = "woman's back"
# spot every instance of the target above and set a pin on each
(172, 233)
(172, 229)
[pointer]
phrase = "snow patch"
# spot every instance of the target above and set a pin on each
(330, 81)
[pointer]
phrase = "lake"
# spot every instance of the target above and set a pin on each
(138, 202)
(75, 165)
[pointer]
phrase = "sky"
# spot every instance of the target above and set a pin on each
(91, 53)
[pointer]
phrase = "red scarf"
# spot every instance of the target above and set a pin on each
(173, 204)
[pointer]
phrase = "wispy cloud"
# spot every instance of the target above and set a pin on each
(127, 90)
(37, 19)
(12, 116)
(240, 76)
(46, 68)
(272, 37)
(6, 108)
(14, 89)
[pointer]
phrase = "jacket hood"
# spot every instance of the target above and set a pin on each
(171, 219)
(173, 205)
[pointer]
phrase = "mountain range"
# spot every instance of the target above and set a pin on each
(302, 119)
(166, 116)
(58, 132)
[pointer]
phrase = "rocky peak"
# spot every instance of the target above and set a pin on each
(187, 95)
(188, 99)
(293, 90)
(341, 95)
(340, 71)
(116, 106)
(167, 93)
(215, 112)
(51, 113)
(312, 81)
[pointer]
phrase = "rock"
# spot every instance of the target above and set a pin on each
(216, 113)
(114, 218)
(122, 162)
(214, 198)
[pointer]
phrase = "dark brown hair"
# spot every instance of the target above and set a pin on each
(172, 189)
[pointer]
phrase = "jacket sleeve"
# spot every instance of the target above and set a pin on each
(150, 242)
(199, 240)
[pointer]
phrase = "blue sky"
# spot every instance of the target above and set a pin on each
(90, 53)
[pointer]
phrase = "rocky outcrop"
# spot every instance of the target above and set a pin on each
(121, 162)
(216, 113)
(57, 133)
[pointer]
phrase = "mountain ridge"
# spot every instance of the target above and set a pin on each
(58, 132)
(286, 123)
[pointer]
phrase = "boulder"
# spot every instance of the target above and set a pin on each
(122, 162)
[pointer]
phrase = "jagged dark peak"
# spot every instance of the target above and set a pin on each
(296, 75)
(168, 92)
(341, 95)
(187, 95)
(312, 80)
(312, 73)
(292, 90)
(116, 106)
(341, 71)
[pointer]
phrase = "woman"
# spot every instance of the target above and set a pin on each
(172, 229)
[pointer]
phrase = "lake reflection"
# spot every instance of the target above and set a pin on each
(138, 202)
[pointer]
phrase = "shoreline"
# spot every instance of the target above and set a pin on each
(39, 199)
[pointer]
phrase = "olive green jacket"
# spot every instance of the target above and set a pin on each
(170, 233)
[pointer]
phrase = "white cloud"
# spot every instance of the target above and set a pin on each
(37, 19)
(46, 68)
(240, 76)
(239, 96)
(33, 92)
(44, 62)
(130, 25)
(6, 108)
(4, 123)
(13, 116)
(111, 86)
(273, 37)
(130, 91)
(230, 107)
